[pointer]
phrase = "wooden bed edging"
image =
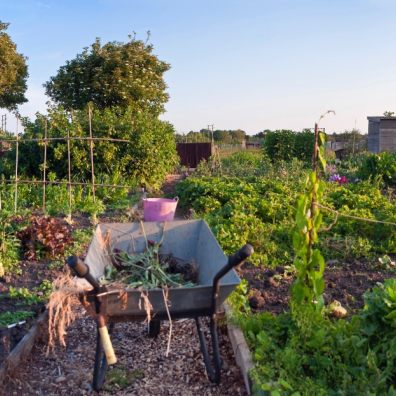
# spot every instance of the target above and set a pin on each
(242, 353)
(22, 350)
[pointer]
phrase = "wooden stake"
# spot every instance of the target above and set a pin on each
(91, 147)
(45, 164)
(69, 187)
(16, 167)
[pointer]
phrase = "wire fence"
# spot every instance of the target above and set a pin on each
(7, 144)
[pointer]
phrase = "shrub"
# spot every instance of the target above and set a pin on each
(285, 145)
(381, 166)
(145, 160)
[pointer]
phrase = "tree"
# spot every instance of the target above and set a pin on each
(13, 72)
(238, 135)
(222, 136)
(115, 74)
(389, 113)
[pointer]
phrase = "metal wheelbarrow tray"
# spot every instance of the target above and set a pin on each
(188, 240)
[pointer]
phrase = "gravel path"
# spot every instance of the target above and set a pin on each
(142, 367)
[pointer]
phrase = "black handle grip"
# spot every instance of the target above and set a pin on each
(78, 266)
(242, 254)
(82, 271)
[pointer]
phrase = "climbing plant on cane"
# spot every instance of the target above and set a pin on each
(308, 287)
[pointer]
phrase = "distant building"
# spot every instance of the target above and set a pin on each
(253, 144)
(381, 134)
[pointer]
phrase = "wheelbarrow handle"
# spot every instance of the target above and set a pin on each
(82, 271)
(237, 258)
(233, 260)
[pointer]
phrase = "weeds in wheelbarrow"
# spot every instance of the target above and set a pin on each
(149, 270)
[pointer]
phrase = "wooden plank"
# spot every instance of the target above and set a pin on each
(22, 350)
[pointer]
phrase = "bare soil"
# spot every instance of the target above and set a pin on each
(345, 282)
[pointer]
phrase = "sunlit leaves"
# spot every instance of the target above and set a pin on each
(13, 72)
(309, 285)
(113, 74)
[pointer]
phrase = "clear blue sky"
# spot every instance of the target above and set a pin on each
(249, 64)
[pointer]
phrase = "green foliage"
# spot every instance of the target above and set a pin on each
(13, 74)
(219, 136)
(30, 197)
(285, 145)
(148, 270)
(309, 262)
(113, 74)
(345, 357)
(238, 300)
(261, 210)
(9, 318)
(381, 166)
(120, 377)
(350, 237)
(24, 294)
(279, 145)
(254, 209)
(9, 245)
(145, 160)
(240, 164)
(31, 297)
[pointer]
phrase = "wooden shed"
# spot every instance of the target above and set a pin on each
(381, 134)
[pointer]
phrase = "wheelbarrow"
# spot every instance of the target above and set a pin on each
(186, 239)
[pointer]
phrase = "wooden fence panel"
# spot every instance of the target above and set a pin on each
(192, 153)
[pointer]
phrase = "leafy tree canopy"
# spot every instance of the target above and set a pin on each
(114, 74)
(13, 72)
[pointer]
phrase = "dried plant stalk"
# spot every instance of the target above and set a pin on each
(146, 304)
(60, 309)
(165, 293)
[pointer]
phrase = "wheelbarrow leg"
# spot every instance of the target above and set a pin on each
(213, 366)
(153, 327)
(100, 367)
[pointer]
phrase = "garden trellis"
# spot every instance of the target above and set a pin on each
(90, 139)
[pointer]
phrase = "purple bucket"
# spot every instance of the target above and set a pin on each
(159, 209)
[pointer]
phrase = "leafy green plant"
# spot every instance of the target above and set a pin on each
(35, 296)
(24, 294)
(381, 166)
(9, 245)
(8, 318)
(283, 145)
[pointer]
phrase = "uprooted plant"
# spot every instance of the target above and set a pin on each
(149, 269)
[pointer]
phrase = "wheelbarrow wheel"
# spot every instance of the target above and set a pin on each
(100, 367)
(154, 327)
